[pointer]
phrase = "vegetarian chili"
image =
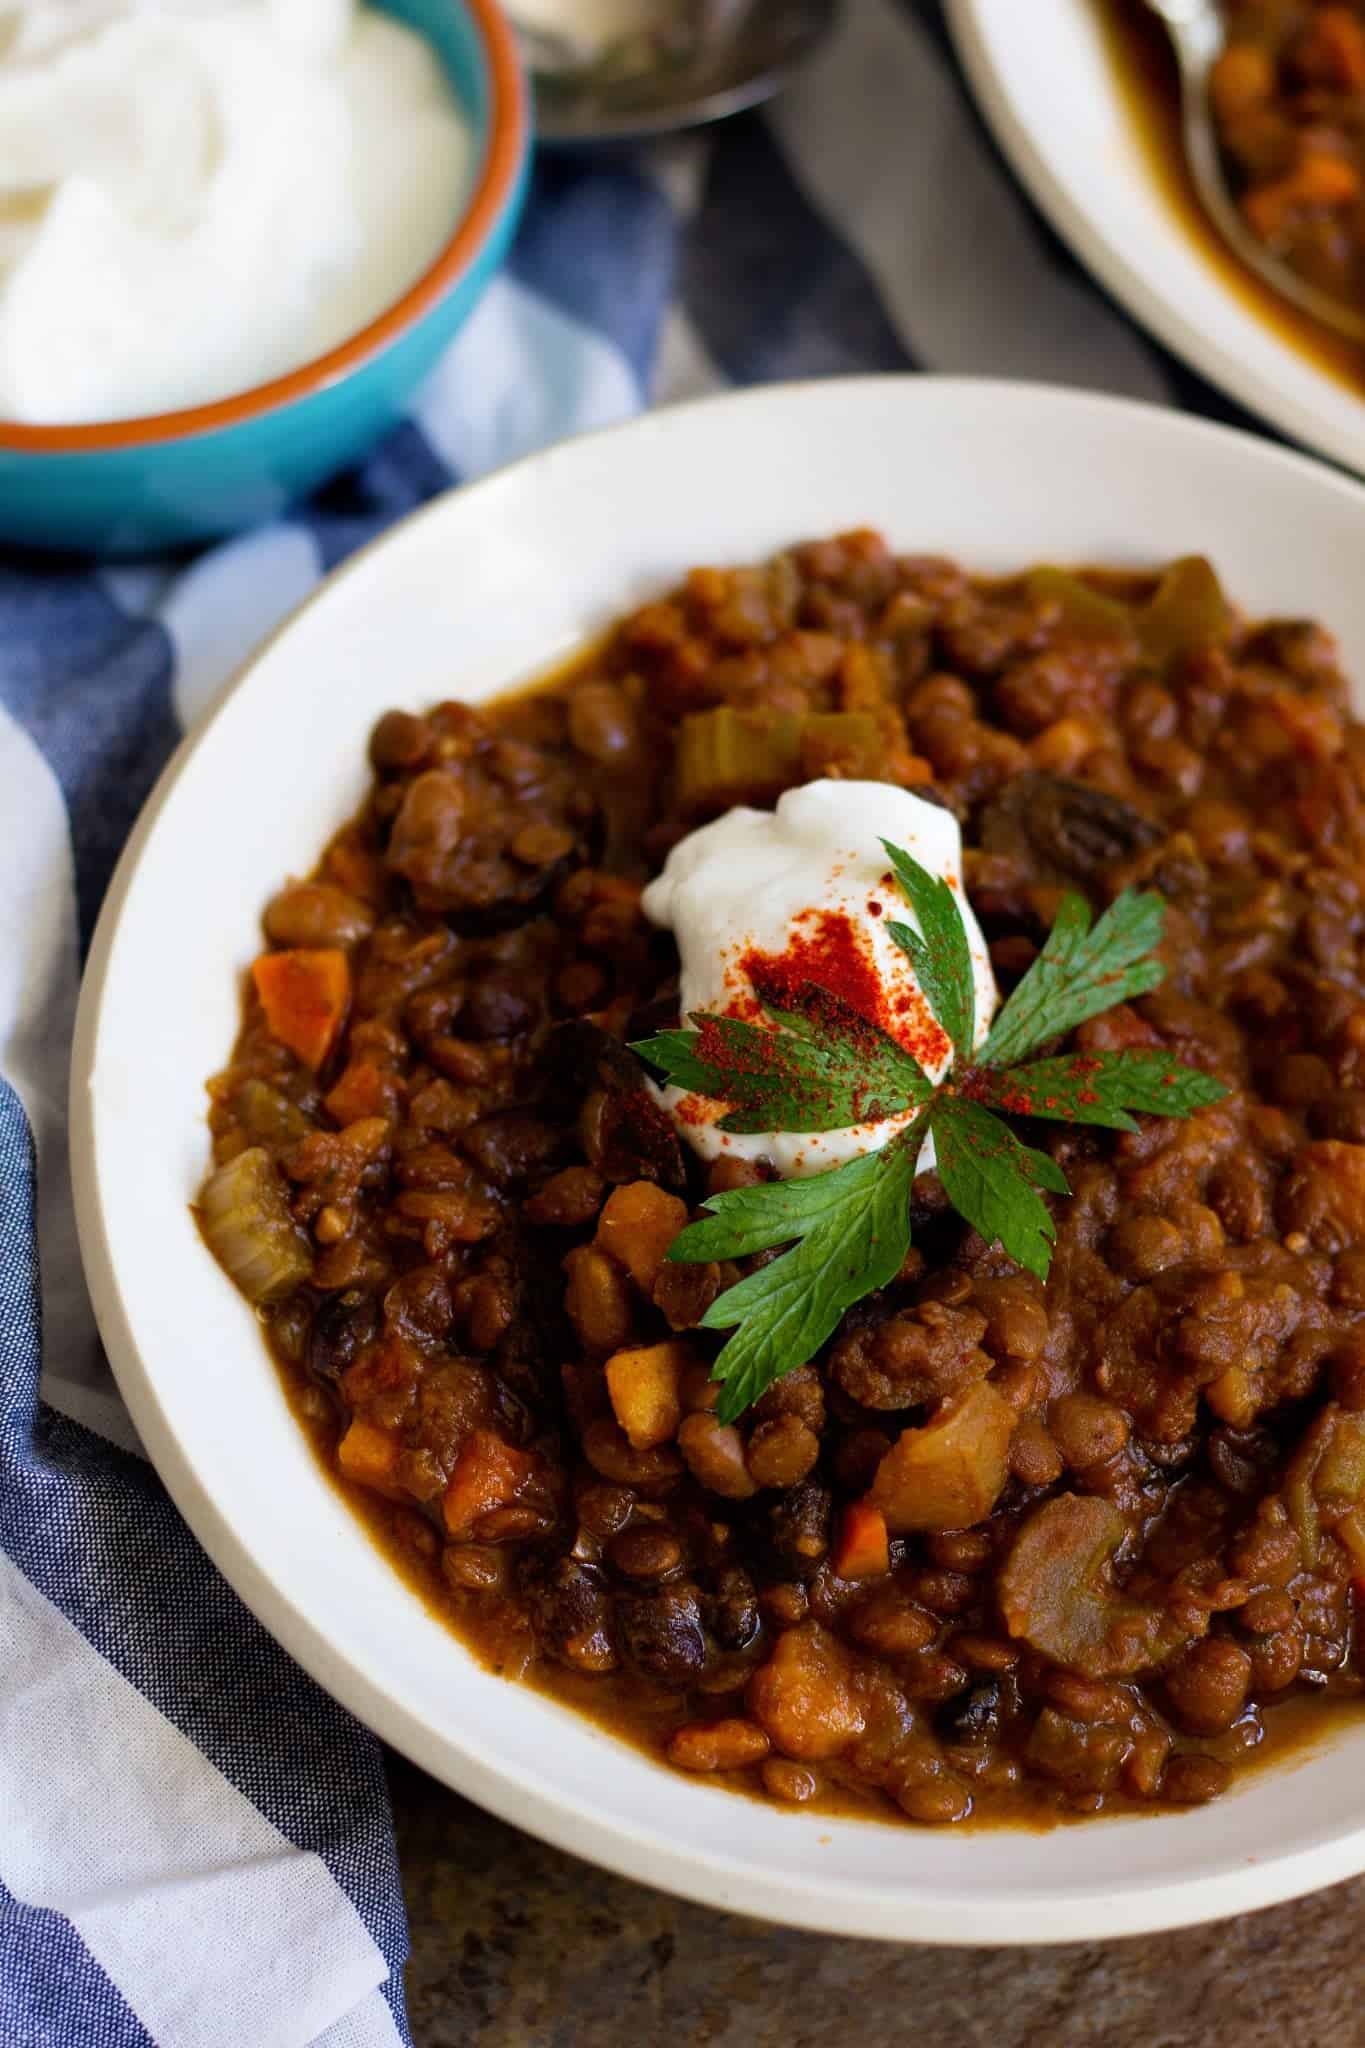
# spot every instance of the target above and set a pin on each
(1004, 1547)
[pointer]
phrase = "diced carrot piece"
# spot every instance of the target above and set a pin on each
(370, 1456)
(304, 993)
(489, 1473)
(863, 1550)
(364, 1090)
(1322, 179)
(637, 1225)
(643, 1385)
(1317, 180)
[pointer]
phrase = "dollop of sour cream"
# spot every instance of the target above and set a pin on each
(199, 195)
(799, 894)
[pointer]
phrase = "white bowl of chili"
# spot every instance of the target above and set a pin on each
(549, 551)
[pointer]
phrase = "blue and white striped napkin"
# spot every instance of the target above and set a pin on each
(195, 1843)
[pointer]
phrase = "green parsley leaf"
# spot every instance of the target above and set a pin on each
(992, 1180)
(823, 1069)
(1079, 973)
(757, 1219)
(1100, 1088)
(852, 1227)
(940, 951)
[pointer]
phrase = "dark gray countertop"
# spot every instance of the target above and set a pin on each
(515, 1945)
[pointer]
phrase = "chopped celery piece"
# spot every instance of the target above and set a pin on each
(268, 1116)
(248, 1228)
(845, 742)
(1325, 1479)
(727, 757)
(1083, 609)
(1187, 611)
(1057, 1592)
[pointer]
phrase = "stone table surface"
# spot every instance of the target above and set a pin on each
(516, 1945)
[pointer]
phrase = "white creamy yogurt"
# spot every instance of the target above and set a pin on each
(199, 195)
(803, 885)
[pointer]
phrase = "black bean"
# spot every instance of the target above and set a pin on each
(662, 1635)
(508, 1144)
(495, 1008)
(1068, 829)
(343, 1325)
(799, 1522)
(566, 1600)
(973, 1717)
(734, 1614)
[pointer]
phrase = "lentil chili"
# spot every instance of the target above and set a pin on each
(455, 1225)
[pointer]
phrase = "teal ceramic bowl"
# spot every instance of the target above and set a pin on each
(128, 486)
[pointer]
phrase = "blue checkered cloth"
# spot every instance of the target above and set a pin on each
(196, 1847)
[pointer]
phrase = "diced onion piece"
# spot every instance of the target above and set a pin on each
(268, 1116)
(248, 1228)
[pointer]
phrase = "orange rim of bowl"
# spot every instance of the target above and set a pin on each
(506, 145)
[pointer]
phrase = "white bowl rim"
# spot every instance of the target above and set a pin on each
(1067, 1908)
(1218, 335)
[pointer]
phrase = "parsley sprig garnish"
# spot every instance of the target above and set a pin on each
(824, 1067)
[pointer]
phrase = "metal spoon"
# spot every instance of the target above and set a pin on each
(1197, 36)
(695, 61)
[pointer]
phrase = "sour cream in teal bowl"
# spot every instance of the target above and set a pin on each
(161, 477)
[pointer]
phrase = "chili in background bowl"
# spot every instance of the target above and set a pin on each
(995, 476)
(1118, 196)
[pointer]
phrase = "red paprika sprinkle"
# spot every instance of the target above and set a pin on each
(694, 1109)
(827, 950)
